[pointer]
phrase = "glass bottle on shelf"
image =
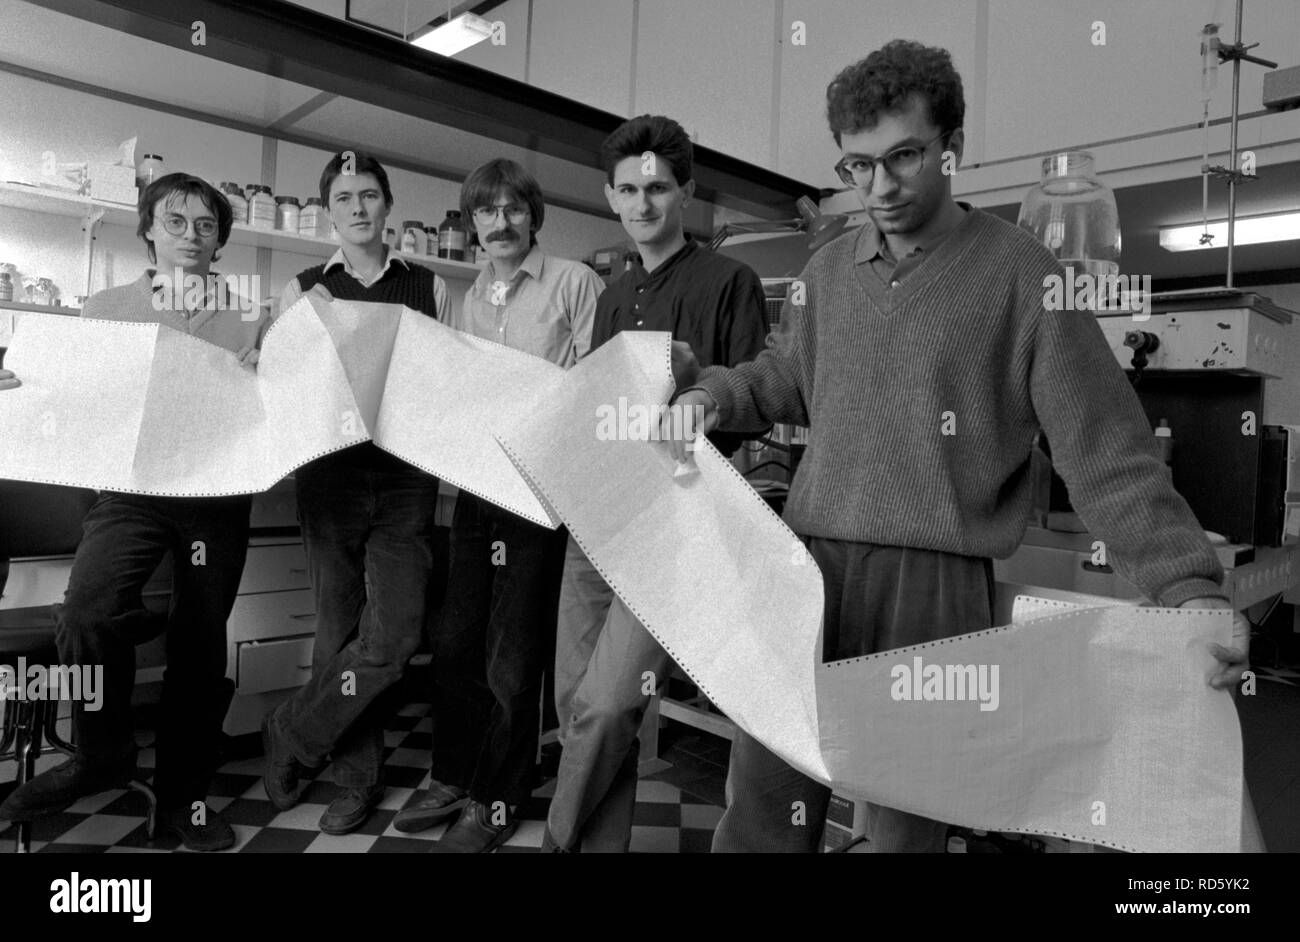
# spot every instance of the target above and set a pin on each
(6, 286)
(261, 208)
(238, 202)
(149, 169)
(452, 236)
(1072, 212)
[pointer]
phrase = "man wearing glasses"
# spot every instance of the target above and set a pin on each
(936, 363)
(183, 222)
(497, 625)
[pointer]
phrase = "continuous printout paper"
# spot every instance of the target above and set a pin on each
(1104, 730)
(145, 409)
(1100, 710)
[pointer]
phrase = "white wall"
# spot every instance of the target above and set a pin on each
(1034, 80)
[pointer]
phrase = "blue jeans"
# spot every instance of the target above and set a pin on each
(877, 598)
(103, 617)
(494, 636)
(359, 524)
(602, 658)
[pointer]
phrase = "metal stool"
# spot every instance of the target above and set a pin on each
(28, 634)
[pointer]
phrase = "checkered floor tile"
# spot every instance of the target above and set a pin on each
(670, 818)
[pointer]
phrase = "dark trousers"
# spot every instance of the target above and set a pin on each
(877, 598)
(359, 525)
(495, 635)
(103, 617)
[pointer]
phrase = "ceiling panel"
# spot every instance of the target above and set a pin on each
(44, 41)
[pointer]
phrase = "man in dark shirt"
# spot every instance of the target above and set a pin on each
(606, 664)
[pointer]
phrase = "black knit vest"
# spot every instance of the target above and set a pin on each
(412, 287)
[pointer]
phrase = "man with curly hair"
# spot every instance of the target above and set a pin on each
(935, 363)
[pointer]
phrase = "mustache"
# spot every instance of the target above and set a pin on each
(503, 235)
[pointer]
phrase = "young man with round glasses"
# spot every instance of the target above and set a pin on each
(183, 222)
(932, 310)
(497, 626)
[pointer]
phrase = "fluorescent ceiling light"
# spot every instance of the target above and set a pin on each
(1279, 227)
(456, 36)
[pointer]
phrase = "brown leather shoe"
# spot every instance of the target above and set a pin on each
(349, 810)
(212, 835)
(474, 832)
(442, 802)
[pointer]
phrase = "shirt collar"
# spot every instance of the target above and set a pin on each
(532, 265)
(871, 244)
(670, 262)
(390, 258)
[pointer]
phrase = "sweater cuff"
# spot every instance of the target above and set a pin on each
(1176, 593)
(716, 386)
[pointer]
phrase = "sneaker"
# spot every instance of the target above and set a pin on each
(349, 810)
(442, 802)
(282, 770)
(213, 834)
(66, 784)
(474, 832)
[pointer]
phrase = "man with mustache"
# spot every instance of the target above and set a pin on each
(603, 655)
(934, 311)
(367, 525)
(497, 625)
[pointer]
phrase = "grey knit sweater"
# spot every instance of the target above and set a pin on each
(923, 410)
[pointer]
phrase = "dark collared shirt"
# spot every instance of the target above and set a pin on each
(710, 301)
(889, 271)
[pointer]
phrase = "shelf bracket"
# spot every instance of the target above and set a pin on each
(89, 229)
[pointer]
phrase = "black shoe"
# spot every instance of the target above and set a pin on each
(280, 777)
(349, 811)
(213, 834)
(441, 803)
(474, 832)
(64, 785)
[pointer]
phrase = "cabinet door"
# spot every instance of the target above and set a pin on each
(271, 615)
(274, 569)
(274, 665)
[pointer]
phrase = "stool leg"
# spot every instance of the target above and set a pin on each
(151, 818)
(27, 746)
(51, 726)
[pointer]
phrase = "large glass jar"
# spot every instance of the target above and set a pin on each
(1073, 213)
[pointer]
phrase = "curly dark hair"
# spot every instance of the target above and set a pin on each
(883, 80)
